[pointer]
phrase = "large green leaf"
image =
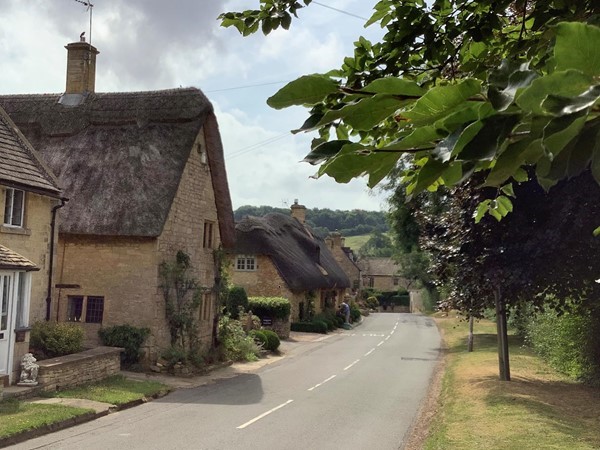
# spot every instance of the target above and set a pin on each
(568, 83)
(368, 112)
(351, 162)
(508, 162)
(562, 106)
(395, 86)
(431, 171)
(486, 144)
(441, 100)
(324, 151)
(422, 137)
(577, 47)
(306, 90)
(561, 130)
(520, 79)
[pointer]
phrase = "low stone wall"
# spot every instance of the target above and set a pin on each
(85, 367)
(281, 327)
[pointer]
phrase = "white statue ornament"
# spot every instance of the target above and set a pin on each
(29, 371)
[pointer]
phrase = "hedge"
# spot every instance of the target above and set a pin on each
(275, 307)
(315, 326)
(129, 337)
(273, 341)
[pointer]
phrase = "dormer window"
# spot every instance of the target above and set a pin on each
(14, 203)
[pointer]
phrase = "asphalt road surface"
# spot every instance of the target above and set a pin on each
(359, 389)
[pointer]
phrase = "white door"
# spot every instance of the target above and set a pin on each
(7, 321)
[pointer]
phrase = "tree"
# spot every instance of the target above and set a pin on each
(462, 87)
(378, 245)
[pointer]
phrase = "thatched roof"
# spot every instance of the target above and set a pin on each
(119, 156)
(378, 266)
(10, 260)
(21, 165)
(303, 260)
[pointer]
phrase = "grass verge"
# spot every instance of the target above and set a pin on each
(539, 408)
(116, 390)
(17, 416)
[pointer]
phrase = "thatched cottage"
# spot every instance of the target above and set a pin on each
(145, 176)
(278, 256)
(29, 198)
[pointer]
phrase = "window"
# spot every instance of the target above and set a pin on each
(23, 289)
(94, 310)
(395, 281)
(206, 306)
(13, 207)
(92, 305)
(4, 300)
(371, 281)
(208, 234)
(74, 308)
(245, 263)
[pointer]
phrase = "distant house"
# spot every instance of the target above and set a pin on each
(346, 259)
(145, 175)
(277, 255)
(381, 274)
(29, 197)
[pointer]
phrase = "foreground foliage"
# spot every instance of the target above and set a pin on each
(458, 87)
(51, 339)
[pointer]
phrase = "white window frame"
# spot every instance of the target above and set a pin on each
(9, 208)
(245, 263)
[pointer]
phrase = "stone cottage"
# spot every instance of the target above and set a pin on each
(347, 260)
(278, 256)
(145, 175)
(29, 198)
(381, 273)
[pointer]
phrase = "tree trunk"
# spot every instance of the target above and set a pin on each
(470, 339)
(503, 359)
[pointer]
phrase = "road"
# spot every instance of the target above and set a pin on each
(360, 389)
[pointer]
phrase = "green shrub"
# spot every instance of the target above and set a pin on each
(174, 355)
(274, 307)
(372, 302)
(56, 339)
(129, 337)
(339, 321)
(316, 326)
(354, 312)
(273, 341)
(236, 299)
(237, 345)
(260, 338)
(327, 318)
(564, 341)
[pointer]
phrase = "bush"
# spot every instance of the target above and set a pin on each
(237, 345)
(273, 341)
(568, 342)
(372, 302)
(354, 312)
(56, 339)
(316, 326)
(174, 355)
(274, 307)
(260, 338)
(129, 337)
(236, 299)
(328, 319)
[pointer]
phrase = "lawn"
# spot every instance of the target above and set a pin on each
(539, 408)
(116, 390)
(18, 416)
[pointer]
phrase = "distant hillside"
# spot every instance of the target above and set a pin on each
(323, 221)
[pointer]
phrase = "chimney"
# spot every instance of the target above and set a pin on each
(337, 241)
(299, 211)
(81, 67)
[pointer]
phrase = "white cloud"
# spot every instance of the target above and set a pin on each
(153, 44)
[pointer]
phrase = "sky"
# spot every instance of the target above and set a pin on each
(158, 44)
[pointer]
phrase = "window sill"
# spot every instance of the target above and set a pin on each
(15, 230)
